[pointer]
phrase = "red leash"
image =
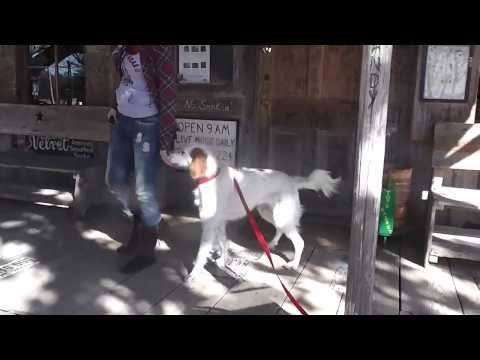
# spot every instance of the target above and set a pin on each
(264, 245)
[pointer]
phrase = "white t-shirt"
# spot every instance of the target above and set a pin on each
(133, 98)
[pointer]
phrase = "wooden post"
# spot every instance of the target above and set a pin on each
(9, 77)
(57, 74)
(370, 153)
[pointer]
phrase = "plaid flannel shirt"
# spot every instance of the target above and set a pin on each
(159, 64)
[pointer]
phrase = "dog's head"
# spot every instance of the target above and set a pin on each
(199, 161)
(202, 163)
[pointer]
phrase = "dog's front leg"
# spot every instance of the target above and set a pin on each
(206, 246)
(223, 243)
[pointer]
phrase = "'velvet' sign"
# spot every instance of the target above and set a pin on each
(54, 145)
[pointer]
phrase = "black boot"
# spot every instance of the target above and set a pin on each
(148, 241)
(131, 246)
(145, 252)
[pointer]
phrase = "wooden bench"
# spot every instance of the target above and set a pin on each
(80, 123)
(456, 147)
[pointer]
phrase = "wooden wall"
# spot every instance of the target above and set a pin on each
(311, 87)
(307, 105)
(400, 105)
(315, 85)
(316, 88)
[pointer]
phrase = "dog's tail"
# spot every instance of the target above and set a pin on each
(320, 180)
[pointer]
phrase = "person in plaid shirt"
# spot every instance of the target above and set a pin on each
(143, 124)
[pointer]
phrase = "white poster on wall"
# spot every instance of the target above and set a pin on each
(446, 72)
(194, 63)
(218, 136)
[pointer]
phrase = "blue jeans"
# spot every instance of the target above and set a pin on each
(134, 150)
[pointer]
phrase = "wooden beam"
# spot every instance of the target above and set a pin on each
(101, 77)
(370, 153)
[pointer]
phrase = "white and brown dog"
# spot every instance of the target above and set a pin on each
(273, 193)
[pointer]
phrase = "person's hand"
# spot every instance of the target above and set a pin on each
(112, 116)
(177, 159)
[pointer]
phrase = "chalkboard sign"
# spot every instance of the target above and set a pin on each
(218, 136)
(446, 74)
(54, 145)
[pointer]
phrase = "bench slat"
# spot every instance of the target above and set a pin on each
(459, 197)
(457, 146)
(88, 123)
(19, 159)
(453, 242)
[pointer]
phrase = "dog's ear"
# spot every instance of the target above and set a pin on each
(198, 166)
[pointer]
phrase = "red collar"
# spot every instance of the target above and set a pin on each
(204, 179)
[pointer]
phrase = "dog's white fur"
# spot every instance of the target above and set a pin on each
(273, 193)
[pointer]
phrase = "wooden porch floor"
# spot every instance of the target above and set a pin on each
(451, 287)
(72, 269)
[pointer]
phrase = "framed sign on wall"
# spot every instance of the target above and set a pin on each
(218, 136)
(446, 73)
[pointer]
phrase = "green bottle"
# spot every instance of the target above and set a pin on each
(387, 210)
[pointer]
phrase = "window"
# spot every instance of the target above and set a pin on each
(221, 63)
(55, 74)
(206, 64)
